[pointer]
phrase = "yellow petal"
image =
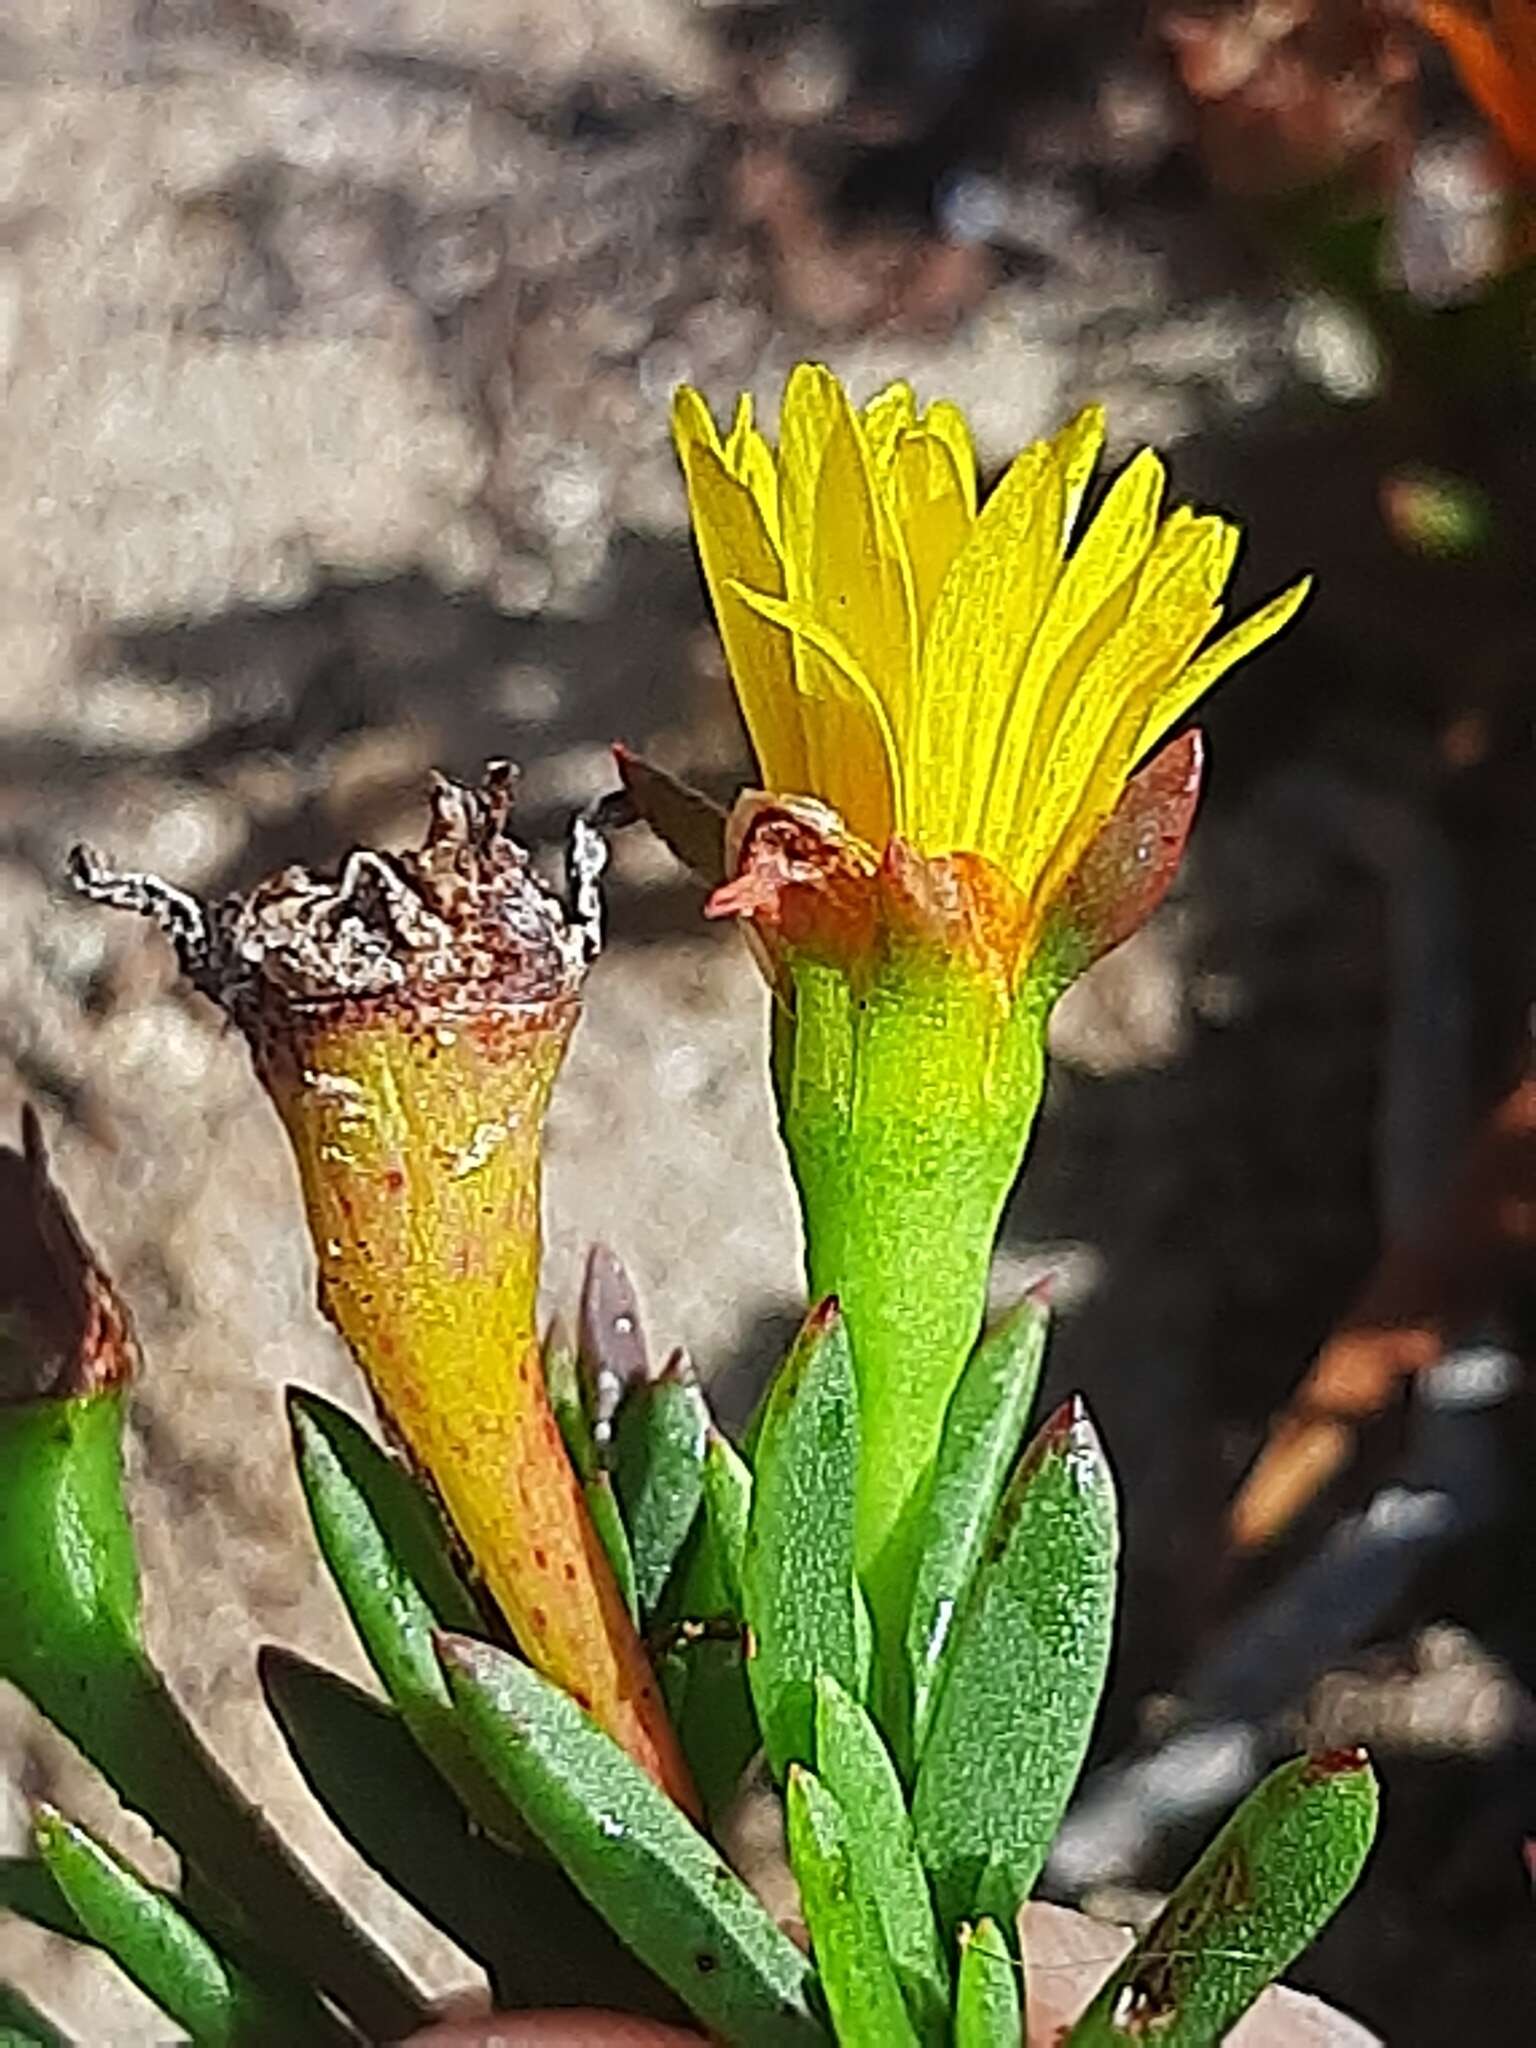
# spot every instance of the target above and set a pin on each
(1076, 450)
(1092, 599)
(750, 460)
(987, 612)
(1185, 691)
(1100, 737)
(811, 399)
(1077, 447)
(886, 417)
(928, 503)
(858, 582)
(855, 764)
(948, 424)
(734, 545)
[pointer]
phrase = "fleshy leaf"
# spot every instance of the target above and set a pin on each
(1272, 1878)
(989, 2012)
(628, 1849)
(798, 1581)
(402, 1511)
(343, 1474)
(572, 1394)
(1024, 1677)
(607, 1520)
(704, 1676)
(857, 1975)
(562, 1379)
(150, 1938)
(610, 1347)
(27, 1889)
(516, 1914)
(983, 1427)
(22, 2025)
(659, 1440)
(855, 1767)
(703, 1668)
(727, 1514)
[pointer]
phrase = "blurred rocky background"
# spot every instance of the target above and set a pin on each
(336, 339)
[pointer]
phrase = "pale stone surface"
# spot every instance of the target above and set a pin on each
(662, 1142)
(1068, 1957)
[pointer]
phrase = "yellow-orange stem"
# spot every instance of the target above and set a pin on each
(418, 1145)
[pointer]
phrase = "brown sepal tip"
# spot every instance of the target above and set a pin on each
(64, 1331)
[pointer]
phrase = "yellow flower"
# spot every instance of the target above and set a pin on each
(959, 676)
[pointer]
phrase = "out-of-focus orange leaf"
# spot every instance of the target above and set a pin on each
(1494, 51)
(1425, 1290)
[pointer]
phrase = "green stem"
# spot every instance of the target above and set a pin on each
(907, 1102)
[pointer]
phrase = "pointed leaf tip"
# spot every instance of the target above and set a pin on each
(825, 1316)
(1022, 1678)
(1069, 1433)
(1334, 1763)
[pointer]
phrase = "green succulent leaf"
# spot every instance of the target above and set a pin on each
(727, 1515)
(572, 1394)
(28, 1889)
(856, 1769)
(69, 1638)
(704, 1680)
(1023, 1679)
(989, 2011)
(567, 1400)
(802, 1602)
(22, 2025)
(359, 1501)
(659, 1440)
(329, 1441)
(538, 1940)
(606, 1518)
(702, 1655)
(983, 1428)
(858, 1978)
(1272, 1878)
(69, 1583)
(151, 1939)
(628, 1849)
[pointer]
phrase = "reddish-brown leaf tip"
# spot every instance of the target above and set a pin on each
(1335, 1763)
(824, 1317)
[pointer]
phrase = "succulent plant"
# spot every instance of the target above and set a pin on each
(593, 1617)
